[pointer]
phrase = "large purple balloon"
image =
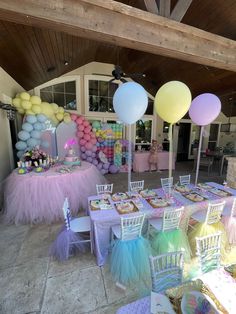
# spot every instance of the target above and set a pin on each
(204, 109)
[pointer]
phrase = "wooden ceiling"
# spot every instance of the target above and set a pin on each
(33, 55)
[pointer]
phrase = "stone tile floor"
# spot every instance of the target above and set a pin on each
(30, 282)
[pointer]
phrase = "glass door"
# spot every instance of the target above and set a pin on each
(194, 139)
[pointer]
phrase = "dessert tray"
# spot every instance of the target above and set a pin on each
(182, 188)
(220, 193)
(204, 186)
(100, 204)
(126, 207)
(117, 197)
(195, 197)
(158, 202)
(147, 193)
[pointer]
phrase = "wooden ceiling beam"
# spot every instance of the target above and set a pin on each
(151, 6)
(180, 9)
(164, 8)
(118, 24)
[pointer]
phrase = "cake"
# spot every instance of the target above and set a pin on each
(71, 158)
(195, 197)
(182, 188)
(119, 197)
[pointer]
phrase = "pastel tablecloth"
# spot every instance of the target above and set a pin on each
(38, 197)
(140, 161)
(103, 220)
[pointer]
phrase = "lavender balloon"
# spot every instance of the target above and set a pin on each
(88, 153)
(89, 159)
(83, 156)
(83, 149)
(204, 109)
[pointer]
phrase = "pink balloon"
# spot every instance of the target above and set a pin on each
(73, 116)
(87, 137)
(87, 129)
(80, 134)
(82, 118)
(83, 142)
(93, 135)
(88, 146)
(79, 120)
(204, 109)
(81, 127)
(93, 141)
(86, 123)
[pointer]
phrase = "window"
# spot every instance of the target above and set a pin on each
(64, 91)
(213, 137)
(143, 136)
(101, 95)
(149, 107)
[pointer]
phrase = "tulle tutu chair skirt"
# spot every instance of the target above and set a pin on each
(230, 228)
(129, 261)
(203, 229)
(172, 241)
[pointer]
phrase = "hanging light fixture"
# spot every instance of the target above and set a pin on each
(9, 109)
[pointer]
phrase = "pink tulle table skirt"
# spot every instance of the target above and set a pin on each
(39, 197)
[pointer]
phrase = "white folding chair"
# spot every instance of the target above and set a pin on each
(104, 188)
(170, 221)
(166, 270)
(185, 180)
(167, 185)
(77, 225)
(70, 238)
(213, 215)
(137, 185)
(130, 228)
(208, 251)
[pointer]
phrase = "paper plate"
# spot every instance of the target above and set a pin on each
(196, 302)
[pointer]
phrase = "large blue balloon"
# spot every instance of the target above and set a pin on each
(35, 134)
(23, 135)
(20, 153)
(41, 118)
(37, 126)
(32, 142)
(31, 119)
(21, 145)
(27, 127)
(130, 102)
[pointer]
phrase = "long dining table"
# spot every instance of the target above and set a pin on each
(105, 213)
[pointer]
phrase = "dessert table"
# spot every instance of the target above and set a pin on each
(38, 197)
(141, 164)
(104, 219)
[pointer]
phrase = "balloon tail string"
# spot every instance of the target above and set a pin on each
(129, 157)
(170, 150)
(199, 154)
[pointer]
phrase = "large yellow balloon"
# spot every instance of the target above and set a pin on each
(59, 116)
(35, 100)
(26, 104)
(16, 102)
(67, 119)
(25, 96)
(55, 107)
(61, 110)
(172, 101)
(47, 109)
(36, 108)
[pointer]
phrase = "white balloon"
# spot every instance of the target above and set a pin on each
(130, 102)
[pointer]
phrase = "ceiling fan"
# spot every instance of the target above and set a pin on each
(119, 75)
